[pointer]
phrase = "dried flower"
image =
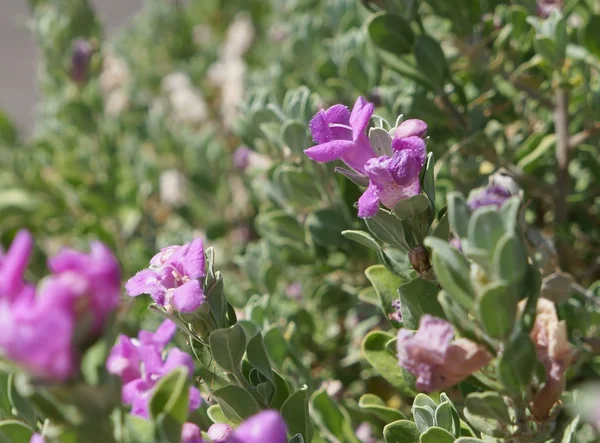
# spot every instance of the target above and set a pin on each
(434, 358)
(554, 351)
(80, 60)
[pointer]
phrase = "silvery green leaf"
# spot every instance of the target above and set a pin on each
(380, 141)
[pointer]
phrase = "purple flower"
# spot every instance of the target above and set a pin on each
(173, 278)
(89, 280)
(492, 195)
(82, 291)
(266, 426)
(37, 438)
(411, 128)
(393, 178)
(341, 135)
(241, 158)
(191, 434)
(364, 433)
(142, 363)
(397, 315)
(434, 358)
(80, 60)
(219, 432)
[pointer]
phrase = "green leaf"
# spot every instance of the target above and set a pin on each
(296, 439)
(442, 229)
(218, 302)
(386, 364)
(458, 214)
(324, 228)
(485, 228)
(591, 35)
(452, 271)
(444, 418)
(424, 417)
(282, 391)
(487, 412)
(386, 285)
(468, 440)
(411, 207)
(138, 429)
(388, 229)
(257, 356)
(332, 418)
(391, 33)
(517, 362)
(419, 297)
(295, 136)
(276, 345)
(169, 403)
(14, 431)
(354, 71)
(429, 180)
(295, 413)
(20, 405)
(362, 237)
(510, 259)
(401, 431)
(509, 212)
(236, 403)
(381, 141)
(228, 347)
(424, 400)
(216, 415)
(436, 435)
(430, 59)
(376, 406)
(497, 309)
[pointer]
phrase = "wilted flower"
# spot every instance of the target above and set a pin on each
(341, 135)
(141, 364)
(492, 195)
(434, 358)
(80, 60)
(71, 306)
(173, 278)
(554, 351)
(190, 433)
(219, 432)
(266, 426)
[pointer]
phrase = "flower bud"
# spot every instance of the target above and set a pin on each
(219, 432)
(411, 128)
(419, 259)
(190, 433)
(80, 61)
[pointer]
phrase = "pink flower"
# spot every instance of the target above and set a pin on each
(266, 426)
(433, 356)
(173, 278)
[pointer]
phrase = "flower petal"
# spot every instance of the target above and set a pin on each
(193, 262)
(328, 152)
(360, 117)
(413, 144)
(411, 127)
(188, 297)
(195, 399)
(319, 124)
(15, 261)
(164, 333)
(190, 433)
(175, 359)
(146, 281)
(368, 203)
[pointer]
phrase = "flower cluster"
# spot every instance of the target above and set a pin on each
(141, 363)
(392, 176)
(70, 305)
(173, 278)
(433, 356)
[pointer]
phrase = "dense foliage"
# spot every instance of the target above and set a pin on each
(388, 216)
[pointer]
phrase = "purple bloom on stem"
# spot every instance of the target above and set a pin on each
(434, 358)
(13, 264)
(219, 432)
(37, 438)
(140, 364)
(80, 60)
(190, 433)
(492, 195)
(173, 278)
(341, 135)
(266, 426)
(241, 158)
(393, 178)
(411, 128)
(92, 280)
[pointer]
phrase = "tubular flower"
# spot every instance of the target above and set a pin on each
(555, 353)
(173, 278)
(142, 363)
(435, 358)
(341, 135)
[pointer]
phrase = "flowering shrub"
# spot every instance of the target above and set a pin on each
(375, 221)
